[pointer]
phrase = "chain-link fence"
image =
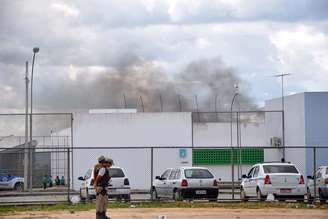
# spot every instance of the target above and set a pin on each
(142, 168)
(50, 168)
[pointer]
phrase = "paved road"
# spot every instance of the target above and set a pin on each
(63, 197)
(179, 213)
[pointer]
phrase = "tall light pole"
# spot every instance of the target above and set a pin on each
(26, 152)
(35, 50)
(283, 112)
(231, 144)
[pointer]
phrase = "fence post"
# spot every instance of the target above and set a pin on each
(233, 173)
(151, 167)
(314, 173)
(68, 176)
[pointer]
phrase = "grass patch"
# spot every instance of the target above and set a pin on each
(88, 206)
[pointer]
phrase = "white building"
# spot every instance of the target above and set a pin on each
(128, 136)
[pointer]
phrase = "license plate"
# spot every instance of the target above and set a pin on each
(285, 190)
(201, 192)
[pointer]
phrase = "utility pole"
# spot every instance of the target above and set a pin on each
(283, 113)
(35, 50)
(26, 155)
(231, 143)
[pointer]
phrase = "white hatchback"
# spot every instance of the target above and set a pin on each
(321, 184)
(283, 180)
(119, 185)
(185, 183)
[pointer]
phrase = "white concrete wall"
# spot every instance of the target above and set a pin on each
(294, 128)
(131, 130)
(219, 134)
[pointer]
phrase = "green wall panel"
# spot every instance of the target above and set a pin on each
(223, 156)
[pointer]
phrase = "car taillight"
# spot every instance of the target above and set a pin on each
(326, 181)
(126, 182)
(215, 183)
(301, 181)
(184, 182)
(267, 180)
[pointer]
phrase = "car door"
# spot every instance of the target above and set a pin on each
(311, 182)
(161, 183)
(319, 180)
(247, 182)
(172, 182)
(85, 182)
(4, 180)
(253, 181)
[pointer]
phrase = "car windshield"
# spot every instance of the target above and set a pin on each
(198, 174)
(327, 171)
(279, 169)
(116, 172)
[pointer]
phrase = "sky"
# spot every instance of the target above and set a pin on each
(85, 46)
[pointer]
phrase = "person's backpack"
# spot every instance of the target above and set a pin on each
(96, 169)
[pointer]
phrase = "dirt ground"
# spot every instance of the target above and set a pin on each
(181, 213)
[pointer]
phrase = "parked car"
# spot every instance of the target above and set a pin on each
(185, 183)
(119, 185)
(283, 180)
(9, 182)
(321, 184)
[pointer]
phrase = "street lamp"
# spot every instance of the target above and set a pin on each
(35, 50)
(232, 155)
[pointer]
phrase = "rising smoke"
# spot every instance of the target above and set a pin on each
(141, 84)
(145, 86)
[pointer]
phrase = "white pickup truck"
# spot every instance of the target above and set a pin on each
(10, 182)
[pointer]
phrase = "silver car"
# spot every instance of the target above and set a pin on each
(321, 184)
(185, 183)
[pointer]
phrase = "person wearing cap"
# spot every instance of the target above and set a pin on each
(97, 167)
(101, 183)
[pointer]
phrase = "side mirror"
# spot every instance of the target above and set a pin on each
(158, 177)
(310, 177)
(81, 178)
(244, 176)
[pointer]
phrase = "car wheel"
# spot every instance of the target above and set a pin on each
(243, 196)
(19, 187)
(127, 198)
(81, 196)
(308, 195)
(177, 195)
(259, 195)
(322, 198)
(153, 194)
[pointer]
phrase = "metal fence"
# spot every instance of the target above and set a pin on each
(143, 164)
(49, 166)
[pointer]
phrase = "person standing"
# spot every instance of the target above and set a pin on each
(45, 181)
(57, 181)
(100, 184)
(62, 181)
